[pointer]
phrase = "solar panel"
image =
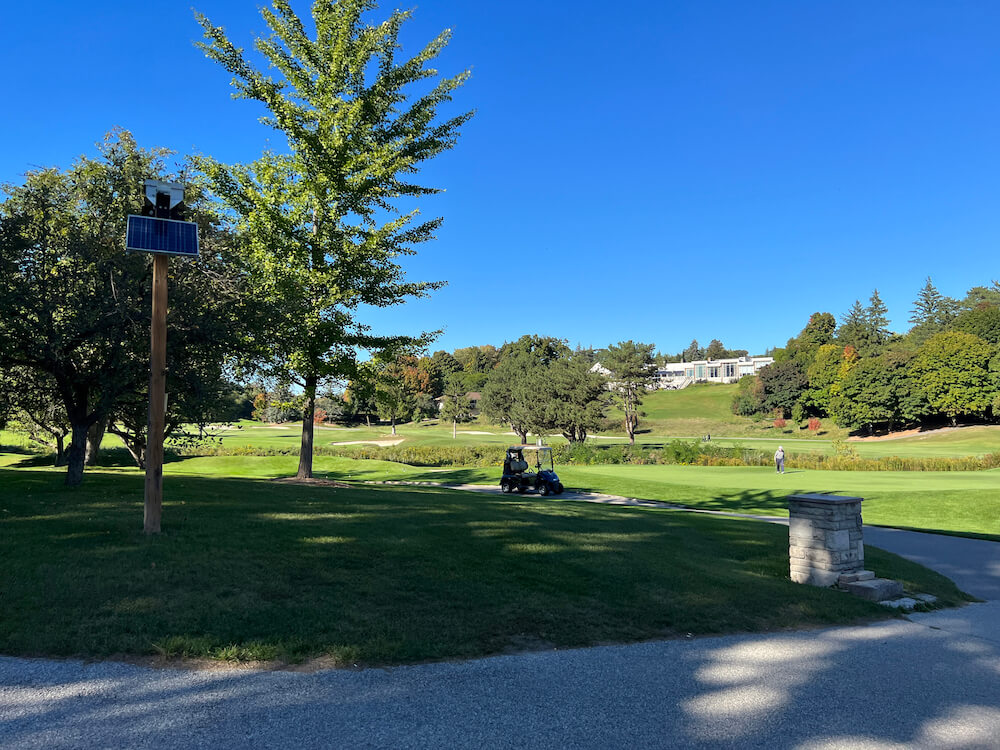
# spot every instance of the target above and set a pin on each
(167, 236)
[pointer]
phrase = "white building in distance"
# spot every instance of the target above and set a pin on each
(677, 375)
(682, 374)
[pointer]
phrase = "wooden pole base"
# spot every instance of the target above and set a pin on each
(157, 399)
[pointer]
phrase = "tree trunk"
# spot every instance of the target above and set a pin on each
(630, 429)
(60, 450)
(77, 454)
(454, 429)
(523, 435)
(306, 448)
(393, 421)
(368, 420)
(94, 437)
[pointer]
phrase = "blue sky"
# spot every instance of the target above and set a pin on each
(646, 170)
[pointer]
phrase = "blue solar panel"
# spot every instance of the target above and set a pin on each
(151, 235)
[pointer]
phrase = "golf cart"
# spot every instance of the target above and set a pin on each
(517, 474)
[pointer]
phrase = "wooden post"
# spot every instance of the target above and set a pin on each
(157, 398)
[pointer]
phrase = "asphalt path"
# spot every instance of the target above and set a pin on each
(929, 681)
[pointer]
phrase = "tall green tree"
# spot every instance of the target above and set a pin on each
(576, 398)
(932, 312)
(715, 350)
(511, 393)
(878, 391)
(693, 352)
(953, 369)
(853, 327)
(318, 226)
(823, 373)
(982, 295)
(632, 372)
(782, 384)
(394, 397)
(982, 321)
(456, 406)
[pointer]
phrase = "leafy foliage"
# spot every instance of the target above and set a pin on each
(953, 370)
(632, 371)
(75, 306)
(320, 228)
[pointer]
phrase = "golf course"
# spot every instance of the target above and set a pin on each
(380, 562)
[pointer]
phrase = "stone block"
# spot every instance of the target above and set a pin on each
(876, 589)
(838, 540)
(860, 575)
(901, 603)
(814, 576)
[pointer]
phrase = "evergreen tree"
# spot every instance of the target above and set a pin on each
(715, 350)
(693, 353)
(853, 327)
(632, 371)
(932, 312)
(876, 323)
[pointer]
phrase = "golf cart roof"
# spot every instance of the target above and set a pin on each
(530, 448)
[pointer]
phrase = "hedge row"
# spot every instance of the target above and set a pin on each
(676, 452)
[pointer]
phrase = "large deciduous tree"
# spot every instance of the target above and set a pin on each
(632, 371)
(75, 306)
(781, 385)
(953, 369)
(322, 233)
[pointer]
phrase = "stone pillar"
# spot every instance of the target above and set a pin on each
(824, 539)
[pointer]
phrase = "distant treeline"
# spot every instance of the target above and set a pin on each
(946, 368)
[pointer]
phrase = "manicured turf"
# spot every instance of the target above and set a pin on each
(249, 569)
(954, 502)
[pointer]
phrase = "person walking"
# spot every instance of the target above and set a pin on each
(779, 461)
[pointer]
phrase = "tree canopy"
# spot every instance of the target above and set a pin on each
(320, 226)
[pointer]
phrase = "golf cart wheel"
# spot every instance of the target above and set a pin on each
(504, 487)
(544, 489)
(559, 488)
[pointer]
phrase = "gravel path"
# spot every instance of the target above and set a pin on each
(896, 684)
(930, 681)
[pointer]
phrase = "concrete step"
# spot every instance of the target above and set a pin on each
(875, 589)
(860, 575)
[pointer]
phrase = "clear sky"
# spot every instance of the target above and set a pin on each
(650, 170)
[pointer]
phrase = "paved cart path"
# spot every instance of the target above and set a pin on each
(930, 681)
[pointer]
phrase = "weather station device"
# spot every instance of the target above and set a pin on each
(161, 230)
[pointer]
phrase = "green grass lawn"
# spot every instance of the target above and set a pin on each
(954, 502)
(965, 503)
(253, 569)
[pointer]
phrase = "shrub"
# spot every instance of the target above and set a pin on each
(780, 422)
(814, 424)
(684, 452)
